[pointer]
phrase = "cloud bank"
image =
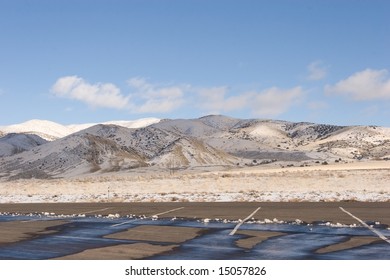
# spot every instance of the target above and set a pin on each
(96, 95)
(362, 86)
(145, 97)
(270, 102)
(214, 100)
(154, 99)
(275, 101)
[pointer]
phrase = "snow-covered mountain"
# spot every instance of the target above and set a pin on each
(14, 143)
(51, 131)
(45, 129)
(282, 140)
(107, 148)
(181, 143)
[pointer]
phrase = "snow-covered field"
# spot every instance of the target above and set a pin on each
(366, 181)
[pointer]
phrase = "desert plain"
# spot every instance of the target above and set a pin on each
(356, 181)
(307, 194)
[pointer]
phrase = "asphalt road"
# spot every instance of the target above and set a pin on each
(158, 236)
(285, 211)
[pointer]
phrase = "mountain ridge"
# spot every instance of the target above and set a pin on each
(50, 130)
(173, 144)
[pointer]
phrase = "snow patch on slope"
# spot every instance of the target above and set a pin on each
(46, 129)
(50, 131)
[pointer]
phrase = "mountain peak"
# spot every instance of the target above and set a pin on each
(51, 130)
(46, 129)
(208, 141)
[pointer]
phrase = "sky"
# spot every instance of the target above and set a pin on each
(80, 61)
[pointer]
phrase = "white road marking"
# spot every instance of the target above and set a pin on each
(99, 210)
(367, 226)
(78, 237)
(242, 222)
(166, 212)
(158, 214)
(40, 220)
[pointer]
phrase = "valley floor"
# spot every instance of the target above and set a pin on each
(359, 181)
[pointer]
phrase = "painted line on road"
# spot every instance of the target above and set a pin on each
(169, 211)
(151, 216)
(367, 226)
(242, 222)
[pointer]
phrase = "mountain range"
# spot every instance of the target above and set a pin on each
(44, 149)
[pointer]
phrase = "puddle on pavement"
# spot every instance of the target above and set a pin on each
(190, 239)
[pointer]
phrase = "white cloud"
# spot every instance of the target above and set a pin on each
(156, 99)
(145, 97)
(275, 101)
(316, 71)
(365, 85)
(214, 100)
(96, 95)
(268, 103)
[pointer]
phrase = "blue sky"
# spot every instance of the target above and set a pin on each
(89, 61)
